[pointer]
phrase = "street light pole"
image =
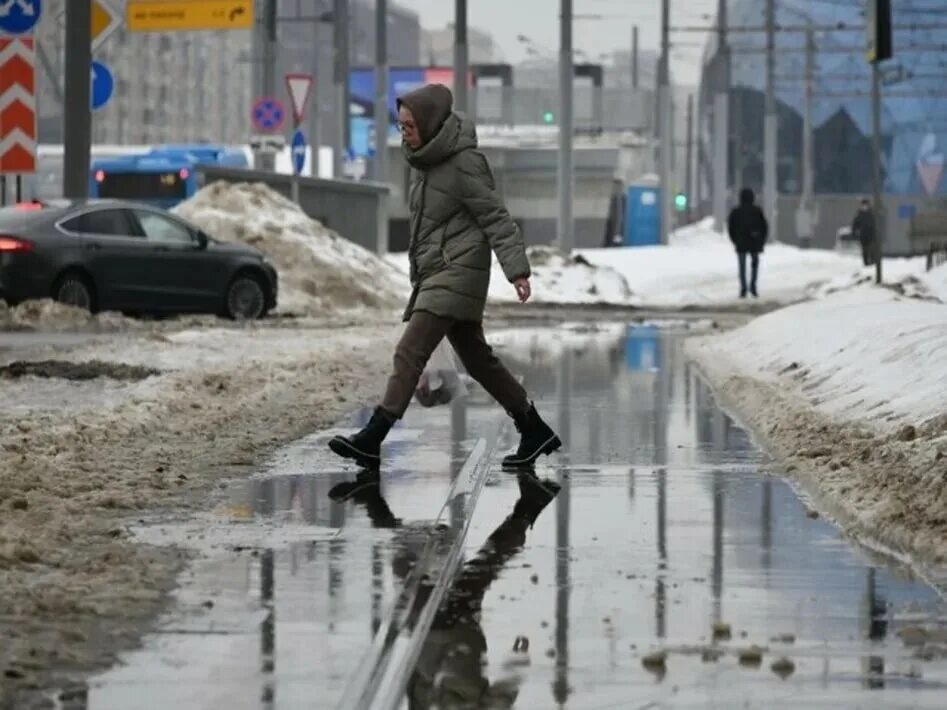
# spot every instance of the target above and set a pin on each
(771, 127)
(77, 119)
(566, 74)
(877, 206)
(460, 55)
(664, 125)
(721, 123)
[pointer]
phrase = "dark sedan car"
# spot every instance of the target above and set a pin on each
(117, 255)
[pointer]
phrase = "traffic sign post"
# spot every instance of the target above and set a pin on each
(105, 21)
(174, 15)
(17, 106)
(19, 17)
(267, 115)
(102, 85)
(298, 147)
(299, 87)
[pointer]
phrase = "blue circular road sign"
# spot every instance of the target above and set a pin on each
(298, 152)
(268, 114)
(102, 85)
(19, 16)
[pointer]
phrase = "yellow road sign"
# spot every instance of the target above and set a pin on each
(105, 20)
(165, 16)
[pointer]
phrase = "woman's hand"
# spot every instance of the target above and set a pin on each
(523, 290)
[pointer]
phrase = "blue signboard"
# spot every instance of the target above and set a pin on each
(102, 85)
(19, 16)
(299, 152)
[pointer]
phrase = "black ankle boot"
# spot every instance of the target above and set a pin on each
(535, 438)
(535, 495)
(365, 446)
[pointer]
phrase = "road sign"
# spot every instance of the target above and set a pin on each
(299, 152)
(299, 86)
(105, 20)
(268, 143)
(268, 114)
(17, 105)
(168, 16)
(102, 85)
(19, 16)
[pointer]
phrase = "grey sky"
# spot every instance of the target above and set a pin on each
(539, 20)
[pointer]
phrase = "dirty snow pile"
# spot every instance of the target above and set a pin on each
(48, 315)
(564, 279)
(852, 391)
(319, 271)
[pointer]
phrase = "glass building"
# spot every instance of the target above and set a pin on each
(914, 98)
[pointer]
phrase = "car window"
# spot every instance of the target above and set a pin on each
(112, 223)
(158, 228)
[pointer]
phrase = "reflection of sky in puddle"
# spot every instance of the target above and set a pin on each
(663, 526)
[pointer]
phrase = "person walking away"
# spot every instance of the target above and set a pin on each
(748, 231)
(863, 229)
(457, 218)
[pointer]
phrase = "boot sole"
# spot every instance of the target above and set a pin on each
(341, 446)
(552, 444)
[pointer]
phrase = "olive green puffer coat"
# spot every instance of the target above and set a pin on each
(456, 218)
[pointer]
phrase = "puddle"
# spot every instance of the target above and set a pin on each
(664, 533)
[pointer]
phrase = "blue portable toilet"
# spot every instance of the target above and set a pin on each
(643, 214)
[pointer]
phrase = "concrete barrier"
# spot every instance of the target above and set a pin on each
(356, 210)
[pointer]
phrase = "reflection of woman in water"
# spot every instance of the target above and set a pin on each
(450, 669)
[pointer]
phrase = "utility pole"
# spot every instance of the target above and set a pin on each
(664, 123)
(566, 75)
(721, 123)
(77, 116)
(381, 117)
(771, 127)
(268, 69)
(689, 168)
(381, 91)
(460, 55)
(807, 221)
(877, 206)
(634, 57)
(315, 108)
(340, 14)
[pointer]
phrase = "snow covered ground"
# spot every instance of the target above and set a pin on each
(80, 457)
(699, 269)
(851, 391)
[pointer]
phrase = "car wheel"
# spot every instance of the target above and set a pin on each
(245, 299)
(75, 290)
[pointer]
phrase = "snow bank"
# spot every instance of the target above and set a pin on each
(48, 315)
(850, 392)
(320, 272)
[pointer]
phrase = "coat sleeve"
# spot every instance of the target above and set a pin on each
(764, 227)
(477, 191)
(732, 226)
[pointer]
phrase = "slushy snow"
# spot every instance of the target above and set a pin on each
(850, 393)
(320, 272)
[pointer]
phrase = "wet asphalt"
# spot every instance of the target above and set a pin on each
(663, 563)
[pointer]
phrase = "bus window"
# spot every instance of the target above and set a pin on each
(142, 186)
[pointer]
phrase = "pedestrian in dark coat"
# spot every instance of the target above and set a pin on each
(863, 229)
(748, 231)
(457, 220)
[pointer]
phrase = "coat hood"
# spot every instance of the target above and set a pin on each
(444, 132)
(457, 134)
(747, 197)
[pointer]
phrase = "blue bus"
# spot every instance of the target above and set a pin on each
(163, 177)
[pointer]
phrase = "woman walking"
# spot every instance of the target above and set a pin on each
(456, 219)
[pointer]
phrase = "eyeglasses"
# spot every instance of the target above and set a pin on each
(402, 127)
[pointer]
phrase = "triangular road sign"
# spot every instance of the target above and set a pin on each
(299, 86)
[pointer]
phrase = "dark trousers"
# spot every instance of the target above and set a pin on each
(422, 335)
(754, 270)
(868, 252)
